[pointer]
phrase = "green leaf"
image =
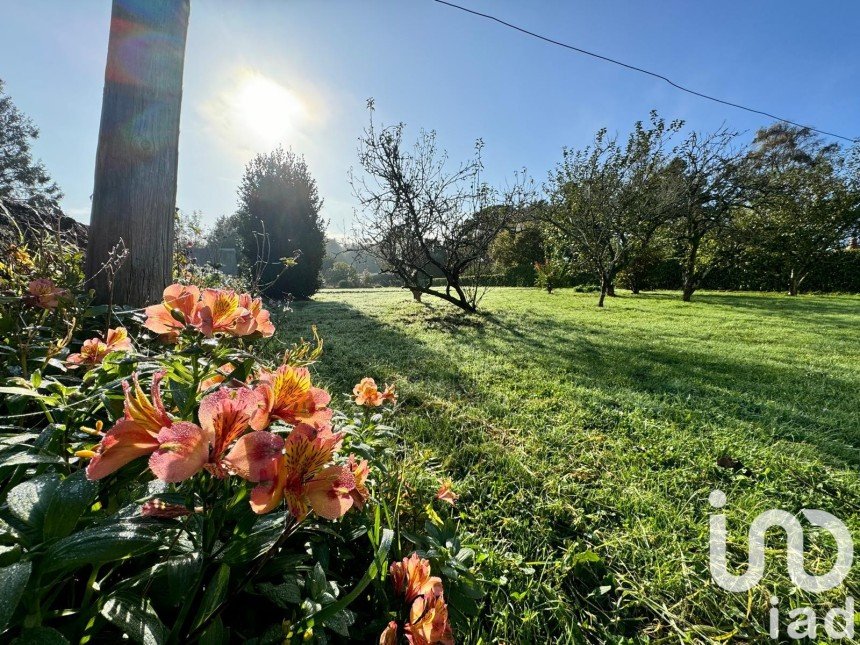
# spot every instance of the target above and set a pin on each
(29, 500)
(13, 580)
(104, 543)
(340, 622)
(135, 618)
(181, 573)
(70, 500)
(216, 591)
(283, 595)
(215, 634)
(265, 533)
(327, 612)
(40, 636)
(25, 457)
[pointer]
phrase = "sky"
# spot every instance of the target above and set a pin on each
(298, 73)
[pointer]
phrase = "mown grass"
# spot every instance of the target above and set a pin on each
(570, 429)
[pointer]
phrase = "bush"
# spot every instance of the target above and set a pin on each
(169, 483)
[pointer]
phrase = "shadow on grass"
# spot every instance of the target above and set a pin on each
(789, 401)
(785, 400)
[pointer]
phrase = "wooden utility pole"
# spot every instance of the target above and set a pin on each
(134, 197)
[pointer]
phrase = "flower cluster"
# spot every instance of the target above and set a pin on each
(210, 312)
(367, 394)
(94, 350)
(427, 622)
(234, 435)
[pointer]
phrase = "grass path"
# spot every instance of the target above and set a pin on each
(574, 432)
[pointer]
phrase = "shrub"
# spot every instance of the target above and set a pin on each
(171, 484)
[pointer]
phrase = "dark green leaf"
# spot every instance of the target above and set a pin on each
(29, 500)
(13, 580)
(216, 591)
(40, 636)
(70, 500)
(104, 544)
(136, 618)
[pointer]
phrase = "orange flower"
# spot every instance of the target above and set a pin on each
(210, 312)
(359, 471)
(287, 394)
(294, 471)
(389, 634)
(177, 450)
(216, 379)
(411, 578)
(367, 394)
(428, 621)
(224, 416)
(446, 493)
(220, 312)
(261, 317)
(94, 350)
(389, 394)
(179, 308)
(44, 293)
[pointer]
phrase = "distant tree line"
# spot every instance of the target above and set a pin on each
(706, 210)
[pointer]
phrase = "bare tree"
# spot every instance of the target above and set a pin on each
(421, 220)
(608, 200)
(135, 179)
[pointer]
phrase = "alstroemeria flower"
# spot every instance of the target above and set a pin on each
(94, 350)
(428, 621)
(177, 450)
(179, 308)
(411, 578)
(389, 634)
(216, 379)
(256, 320)
(220, 311)
(367, 394)
(295, 471)
(262, 318)
(287, 394)
(446, 493)
(224, 416)
(43, 293)
(360, 471)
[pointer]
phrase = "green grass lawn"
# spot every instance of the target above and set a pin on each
(569, 429)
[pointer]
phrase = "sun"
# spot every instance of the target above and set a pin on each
(264, 110)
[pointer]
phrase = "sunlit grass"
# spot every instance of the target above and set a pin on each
(567, 428)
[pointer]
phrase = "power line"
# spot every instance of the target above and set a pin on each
(641, 71)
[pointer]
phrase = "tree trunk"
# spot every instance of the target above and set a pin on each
(604, 285)
(610, 290)
(134, 198)
(689, 286)
(793, 284)
(416, 294)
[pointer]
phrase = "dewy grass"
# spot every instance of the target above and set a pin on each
(585, 442)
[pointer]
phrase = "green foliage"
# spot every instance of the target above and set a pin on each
(279, 217)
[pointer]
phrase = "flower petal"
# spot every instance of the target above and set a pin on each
(123, 443)
(329, 493)
(182, 451)
(256, 456)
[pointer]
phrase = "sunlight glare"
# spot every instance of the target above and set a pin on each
(265, 109)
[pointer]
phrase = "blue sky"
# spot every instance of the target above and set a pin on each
(434, 67)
